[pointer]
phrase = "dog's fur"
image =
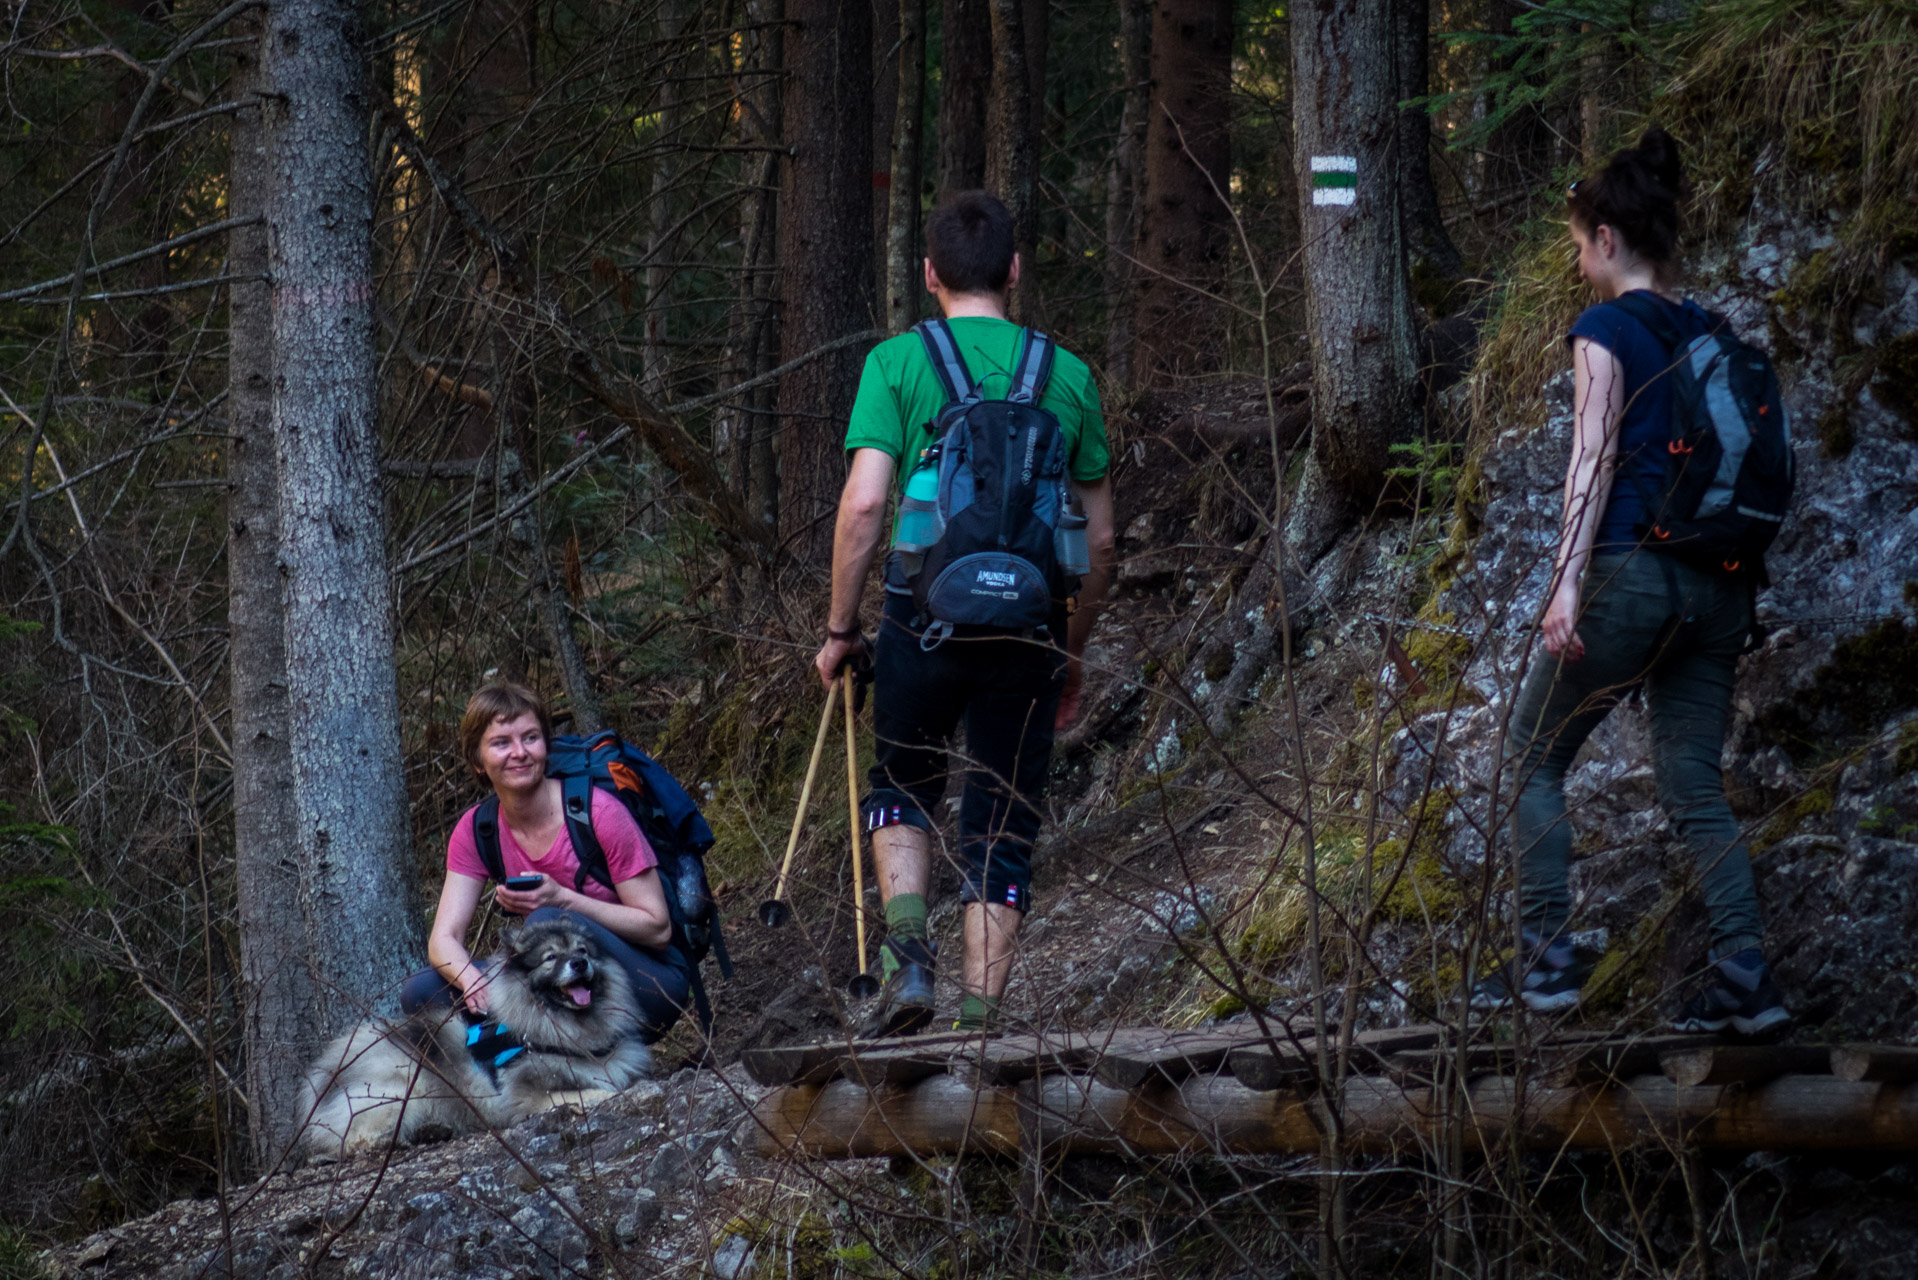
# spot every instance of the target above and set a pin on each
(414, 1081)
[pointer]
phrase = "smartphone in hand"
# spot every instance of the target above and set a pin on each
(521, 884)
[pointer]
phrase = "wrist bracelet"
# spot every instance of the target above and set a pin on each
(843, 636)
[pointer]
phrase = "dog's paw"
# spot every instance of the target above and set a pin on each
(576, 1097)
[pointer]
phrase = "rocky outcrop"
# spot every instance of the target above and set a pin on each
(640, 1184)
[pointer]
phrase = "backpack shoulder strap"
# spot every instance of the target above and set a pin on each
(1034, 368)
(1651, 313)
(576, 801)
(947, 364)
(486, 836)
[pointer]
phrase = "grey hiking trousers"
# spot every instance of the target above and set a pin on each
(1648, 620)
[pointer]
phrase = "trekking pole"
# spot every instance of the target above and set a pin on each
(863, 985)
(774, 912)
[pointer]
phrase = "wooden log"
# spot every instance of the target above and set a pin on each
(941, 1115)
(1131, 1061)
(1878, 1063)
(1267, 1067)
(1011, 1059)
(1425, 1067)
(827, 1060)
(1745, 1064)
(1610, 1061)
(1221, 1115)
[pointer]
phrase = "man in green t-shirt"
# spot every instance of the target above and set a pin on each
(1010, 690)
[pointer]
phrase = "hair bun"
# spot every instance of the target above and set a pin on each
(1657, 154)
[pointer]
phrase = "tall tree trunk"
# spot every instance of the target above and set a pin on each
(903, 285)
(264, 821)
(659, 212)
(1358, 309)
(1125, 182)
(1427, 243)
(753, 335)
(885, 104)
(825, 249)
(350, 930)
(1186, 233)
(965, 89)
(1012, 169)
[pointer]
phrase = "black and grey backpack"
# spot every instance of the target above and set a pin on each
(1728, 463)
(996, 546)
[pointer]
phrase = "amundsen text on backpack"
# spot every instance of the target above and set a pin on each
(986, 530)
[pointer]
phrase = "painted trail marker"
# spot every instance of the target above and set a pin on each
(1335, 179)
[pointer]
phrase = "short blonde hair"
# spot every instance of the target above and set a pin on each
(499, 700)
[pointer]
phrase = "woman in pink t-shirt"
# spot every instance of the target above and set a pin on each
(503, 736)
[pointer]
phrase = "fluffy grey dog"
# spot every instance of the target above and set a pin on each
(414, 1080)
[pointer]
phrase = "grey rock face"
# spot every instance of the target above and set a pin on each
(560, 1195)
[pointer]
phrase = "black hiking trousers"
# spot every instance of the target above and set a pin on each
(1005, 690)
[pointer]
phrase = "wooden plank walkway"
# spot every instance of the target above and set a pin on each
(1243, 1089)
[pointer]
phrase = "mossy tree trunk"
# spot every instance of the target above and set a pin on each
(1358, 306)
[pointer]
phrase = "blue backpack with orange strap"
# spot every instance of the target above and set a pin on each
(666, 816)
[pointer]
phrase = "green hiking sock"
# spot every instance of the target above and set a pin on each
(905, 922)
(977, 1013)
(906, 916)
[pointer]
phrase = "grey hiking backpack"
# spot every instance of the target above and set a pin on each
(1728, 463)
(993, 546)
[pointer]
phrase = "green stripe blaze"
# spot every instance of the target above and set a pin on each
(1335, 178)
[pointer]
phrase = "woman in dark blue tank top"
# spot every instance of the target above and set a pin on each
(1621, 617)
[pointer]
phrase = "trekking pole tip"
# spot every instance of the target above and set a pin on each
(863, 986)
(773, 913)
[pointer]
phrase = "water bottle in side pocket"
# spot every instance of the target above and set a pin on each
(919, 524)
(1069, 544)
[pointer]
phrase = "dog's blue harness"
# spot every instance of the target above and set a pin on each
(492, 1045)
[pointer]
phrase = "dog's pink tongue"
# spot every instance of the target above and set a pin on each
(582, 996)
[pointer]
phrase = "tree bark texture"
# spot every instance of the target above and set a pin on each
(659, 212)
(903, 285)
(1358, 309)
(965, 88)
(264, 819)
(1125, 180)
(1012, 167)
(1187, 224)
(1427, 243)
(350, 929)
(753, 330)
(825, 250)
(885, 105)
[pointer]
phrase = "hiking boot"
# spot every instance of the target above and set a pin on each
(1552, 976)
(1738, 993)
(905, 1002)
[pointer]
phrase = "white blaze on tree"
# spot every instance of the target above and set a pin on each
(348, 919)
